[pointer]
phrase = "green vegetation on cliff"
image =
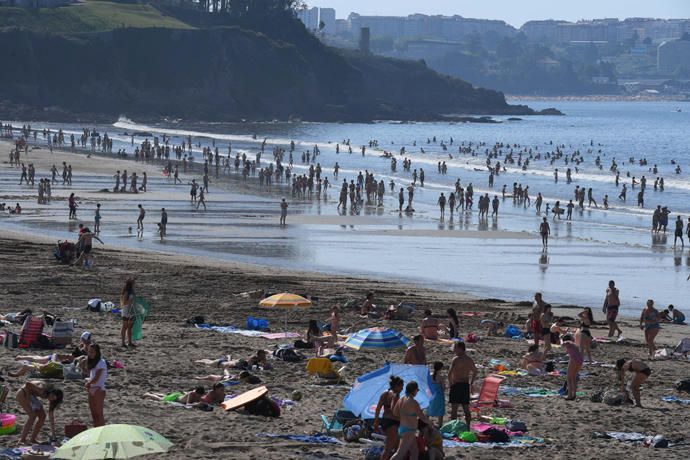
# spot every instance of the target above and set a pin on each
(90, 16)
(259, 64)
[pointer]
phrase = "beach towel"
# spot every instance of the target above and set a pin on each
(230, 330)
(675, 399)
(316, 439)
(31, 331)
(279, 335)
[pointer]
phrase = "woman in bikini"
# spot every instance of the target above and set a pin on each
(191, 397)
(453, 324)
(388, 422)
(583, 336)
(546, 321)
(649, 323)
(574, 365)
(640, 371)
(127, 297)
(407, 408)
(28, 398)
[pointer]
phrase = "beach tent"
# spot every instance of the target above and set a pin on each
(376, 338)
(285, 300)
(114, 441)
(365, 392)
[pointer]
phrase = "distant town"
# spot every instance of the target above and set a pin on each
(633, 57)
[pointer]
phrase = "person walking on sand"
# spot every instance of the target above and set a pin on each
(461, 377)
(72, 203)
(611, 305)
(544, 231)
(140, 219)
(127, 297)
(649, 323)
(95, 384)
(640, 371)
(283, 212)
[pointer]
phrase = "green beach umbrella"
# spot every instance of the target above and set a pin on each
(113, 441)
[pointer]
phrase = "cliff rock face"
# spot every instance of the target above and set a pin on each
(223, 73)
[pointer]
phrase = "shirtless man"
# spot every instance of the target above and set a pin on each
(429, 326)
(140, 219)
(544, 231)
(640, 371)
(283, 212)
(461, 376)
(86, 243)
(415, 353)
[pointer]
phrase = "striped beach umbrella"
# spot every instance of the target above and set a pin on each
(376, 338)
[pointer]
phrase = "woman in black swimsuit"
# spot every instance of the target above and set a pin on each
(388, 422)
(453, 324)
(640, 371)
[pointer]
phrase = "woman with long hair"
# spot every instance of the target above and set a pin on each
(127, 297)
(95, 384)
(410, 413)
(28, 398)
(388, 421)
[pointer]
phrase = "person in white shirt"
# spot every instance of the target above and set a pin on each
(95, 384)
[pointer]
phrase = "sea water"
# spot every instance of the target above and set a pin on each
(584, 254)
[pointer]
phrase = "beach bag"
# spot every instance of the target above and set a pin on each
(11, 340)
(74, 428)
(62, 333)
(614, 398)
(264, 407)
(496, 435)
(454, 428)
(71, 372)
(196, 320)
(512, 331)
(94, 305)
(288, 355)
(683, 385)
(516, 425)
(301, 344)
(354, 430)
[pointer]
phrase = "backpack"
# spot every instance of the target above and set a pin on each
(516, 425)
(94, 305)
(264, 407)
(683, 385)
(196, 320)
(288, 355)
(496, 435)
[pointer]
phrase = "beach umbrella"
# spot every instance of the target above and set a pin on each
(285, 300)
(365, 392)
(113, 441)
(376, 338)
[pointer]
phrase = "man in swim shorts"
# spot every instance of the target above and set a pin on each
(461, 376)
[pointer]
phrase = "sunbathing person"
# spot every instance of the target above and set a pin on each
(49, 370)
(429, 326)
(259, 359)
(244, 377)
(533, 361)
(216, 395)
(191, 397)
(493, 327)
(640, 371)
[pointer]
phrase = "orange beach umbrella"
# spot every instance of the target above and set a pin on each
(285, 300)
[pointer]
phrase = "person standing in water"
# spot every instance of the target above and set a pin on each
(140, 219)
(283, 212)
(544, 231)
(442, 205)
(679, 232)
(164, 222)
(97, 219)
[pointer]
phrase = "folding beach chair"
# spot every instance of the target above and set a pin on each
(683, 347)
(488, 395)
(325, 371)
(337, 422)
(31, 331)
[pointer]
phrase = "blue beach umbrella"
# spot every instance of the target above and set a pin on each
(376, 338)
(365, 392)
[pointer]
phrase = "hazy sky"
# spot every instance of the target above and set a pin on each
(515, 12)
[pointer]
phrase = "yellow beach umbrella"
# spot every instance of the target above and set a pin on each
(285, 300)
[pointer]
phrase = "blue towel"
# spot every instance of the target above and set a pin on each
(317, 439)
(675, 399)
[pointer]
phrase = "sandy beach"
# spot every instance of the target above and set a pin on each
(180, 278)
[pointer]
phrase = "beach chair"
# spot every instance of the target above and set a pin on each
(336, 423)
(31, 331)
(488, 394)
(325, 371)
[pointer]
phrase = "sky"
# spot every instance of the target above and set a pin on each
(514, 12)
